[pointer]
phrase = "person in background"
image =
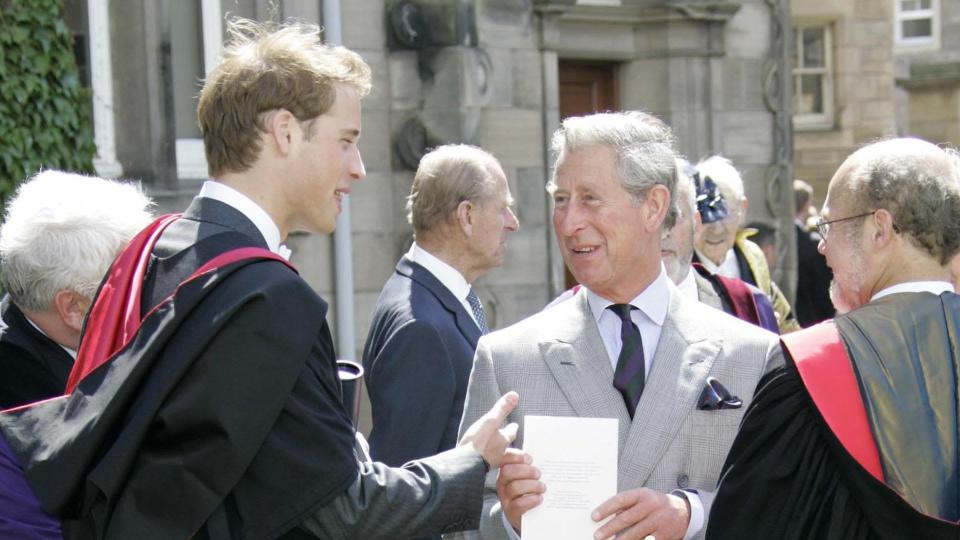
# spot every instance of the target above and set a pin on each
(60, 233)
(427, 320)
(723, 247)
(813, 303)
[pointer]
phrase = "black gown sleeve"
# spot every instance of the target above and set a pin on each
(787, 476)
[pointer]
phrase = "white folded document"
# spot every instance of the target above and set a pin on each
(577, 458)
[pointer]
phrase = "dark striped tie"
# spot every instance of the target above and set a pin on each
(629, 375)
(477, 309)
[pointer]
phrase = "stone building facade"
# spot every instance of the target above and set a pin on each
(843, 72)
(927, 68)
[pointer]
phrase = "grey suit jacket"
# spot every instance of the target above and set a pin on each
(557, 362)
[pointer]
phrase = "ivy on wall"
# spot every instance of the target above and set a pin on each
(44, 111)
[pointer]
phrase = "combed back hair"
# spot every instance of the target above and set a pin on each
(724, 174)
(920, 189)
(802, 195)
(641, 142)
(62, 231)
(445, 177)
(266, 67)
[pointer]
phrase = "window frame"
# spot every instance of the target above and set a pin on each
(916, 43)
(823, 120)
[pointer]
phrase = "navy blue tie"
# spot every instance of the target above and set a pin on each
(629, 375)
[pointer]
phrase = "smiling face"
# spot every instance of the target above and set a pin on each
(715, 239)
(324, 163)
(609, 241)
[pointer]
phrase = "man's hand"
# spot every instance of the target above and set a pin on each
(517, 486)
(485, 434)
(643, 512)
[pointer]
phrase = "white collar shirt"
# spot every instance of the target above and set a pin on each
(728, 268)
(688, 287)
(448, 276)
(933, 287)
(651, 311)
(261, 219)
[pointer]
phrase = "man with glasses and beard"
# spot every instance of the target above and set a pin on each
(856, 437)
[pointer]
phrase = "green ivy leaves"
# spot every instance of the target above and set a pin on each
(45, 117)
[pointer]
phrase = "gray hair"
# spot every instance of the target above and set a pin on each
(919, 189)
(62, 231)
(686, 192)
(642, 143)
(724, 174)
(447, 176)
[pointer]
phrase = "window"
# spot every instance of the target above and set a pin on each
(813, 77)
(195, 40)
(916, 24)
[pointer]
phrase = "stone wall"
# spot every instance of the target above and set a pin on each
(863, 85)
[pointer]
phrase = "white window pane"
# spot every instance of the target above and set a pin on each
(813, 47)
(810, 97)
(917, 28)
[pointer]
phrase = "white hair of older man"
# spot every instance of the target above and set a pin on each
(724, 174)
(61, 231)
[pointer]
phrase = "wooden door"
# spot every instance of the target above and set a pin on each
(585, 88)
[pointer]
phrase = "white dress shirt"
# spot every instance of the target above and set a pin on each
(261, 219)
(448, 276)
(728, 268)
(934, 287)
(688, 287)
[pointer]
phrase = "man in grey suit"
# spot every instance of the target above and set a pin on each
(676, 374)
(428, 318)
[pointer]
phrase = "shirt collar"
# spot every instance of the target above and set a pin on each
(450, 277)
(71, 352)
(688, 286)
(261, 219)
(935, 287)
(652, 301)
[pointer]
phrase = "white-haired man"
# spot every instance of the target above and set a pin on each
(723, 246)
(427, 320)
(856, 436)
(60, 233)
(627, 345)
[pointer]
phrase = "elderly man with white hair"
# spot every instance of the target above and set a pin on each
(60, 234)
(723, 246)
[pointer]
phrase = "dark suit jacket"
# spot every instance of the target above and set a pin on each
(34, 367)
(813, 303)
(231, 426)
(417, 362)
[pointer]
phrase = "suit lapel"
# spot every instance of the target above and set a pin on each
(465, 323)
(683, 358)
(580, 365)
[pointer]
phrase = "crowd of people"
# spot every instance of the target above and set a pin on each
(174, 377)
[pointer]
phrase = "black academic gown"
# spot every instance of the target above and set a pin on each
(788, 476)
(34, 367)
(224, 417)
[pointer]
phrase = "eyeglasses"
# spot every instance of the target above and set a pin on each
(823, 227)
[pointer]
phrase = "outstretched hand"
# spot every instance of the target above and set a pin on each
(486, 436)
